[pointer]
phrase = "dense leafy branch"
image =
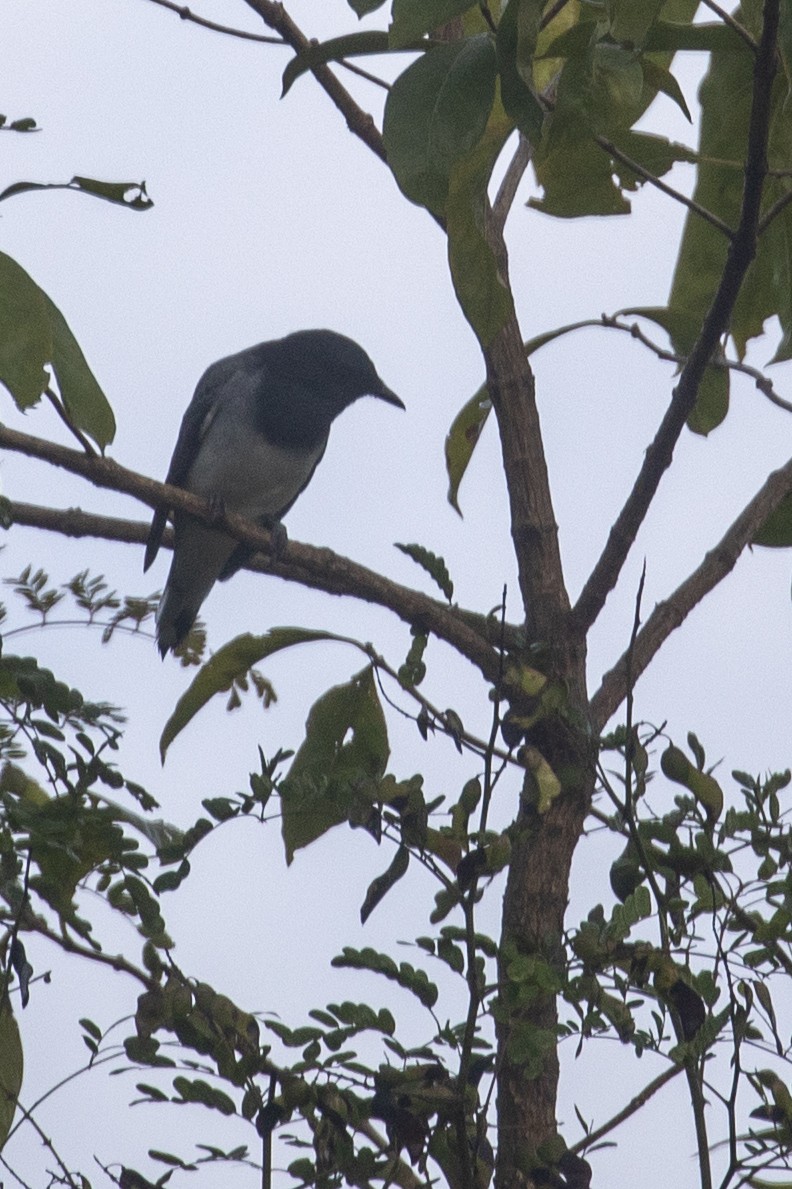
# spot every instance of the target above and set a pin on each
(741, 252)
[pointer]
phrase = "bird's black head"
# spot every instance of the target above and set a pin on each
(334, 366)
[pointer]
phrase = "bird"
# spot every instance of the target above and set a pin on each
(250, 440)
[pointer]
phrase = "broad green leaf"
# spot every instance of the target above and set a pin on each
(516, 42)
(228, 664)
(351, 45)
(654, 153)
(33, 336)
(434, 566)
(336, 772)
(461, 441)
(132, 195)
(662, 37)
(413, 18)
(436, 111)
(767, 290)
(776, 532)
(630, 20)
(478, 281)
(11, 1066)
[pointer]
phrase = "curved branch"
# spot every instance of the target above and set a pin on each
(186, 14)
(741, 252)
(318, 568)
(671, 613)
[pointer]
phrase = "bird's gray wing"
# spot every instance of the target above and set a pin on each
(195, 423)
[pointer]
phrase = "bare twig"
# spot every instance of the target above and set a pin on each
(635, 1104)
(772, 212)
(729, 20)
(741, 252)
(186, 14)
(58, 406)
(659, 184)
(511, 180)
(671, 613)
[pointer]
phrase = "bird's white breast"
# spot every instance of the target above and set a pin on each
(238, 466)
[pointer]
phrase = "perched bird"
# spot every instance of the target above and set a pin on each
(249, 442)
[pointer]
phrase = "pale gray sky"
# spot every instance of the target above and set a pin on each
(270, 216)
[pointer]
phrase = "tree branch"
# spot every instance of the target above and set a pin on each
(318, 568)
(358, 121)
(671, 613)
(741, 252)
(187, 15)
(635, 1104)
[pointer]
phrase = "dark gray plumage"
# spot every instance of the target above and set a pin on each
(250, 441)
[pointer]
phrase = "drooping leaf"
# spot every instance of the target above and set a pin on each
(379, 887)
(227, 665)
(11, 1066)
(518, 31)
(461, 441)
(404, 974)
(413, 18)
(436, 111)
(351, 45)
(434, 566)
(477, 273)
(132, 195)
(336, 771)
(364, 7)
(34, 335)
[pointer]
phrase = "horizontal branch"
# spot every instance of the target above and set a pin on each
(318, 568)
(671, 613)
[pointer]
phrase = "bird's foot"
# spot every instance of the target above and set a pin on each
(217, 509)
(280, 538)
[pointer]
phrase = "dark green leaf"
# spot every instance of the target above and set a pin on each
(659, 79)
(518, 30)
(229, 664)
(379, 887)
(11, 1065)
(34, 335)
(630, 21)
(434, 566)
(363, 7)
(336, 771)
(351, 45)
(413, 18)
(405, 975)
(132, 195)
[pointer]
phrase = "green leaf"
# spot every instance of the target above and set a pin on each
(132, 195)
(379, 887)
(34, 335)
(462, 438)
(228, 664)
(436, 111)
(11, 1066)
(337, 769)
(434, 566)
(413, 18)
(630, 20)
(518, 30)
(767, 290)
(659, 79)
(405, 975)
(351, 45)
(364, 7)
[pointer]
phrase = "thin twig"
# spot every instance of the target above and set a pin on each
(741, 253)
(511, 180)
(659, 184)
(187, 15)
(359, 122)
(671, 613)
(729, 20)
(59, 408)
(635, 1104)
(773, 211)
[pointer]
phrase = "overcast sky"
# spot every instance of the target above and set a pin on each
(269, 216)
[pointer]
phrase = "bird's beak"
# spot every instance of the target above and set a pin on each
(384, 393)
